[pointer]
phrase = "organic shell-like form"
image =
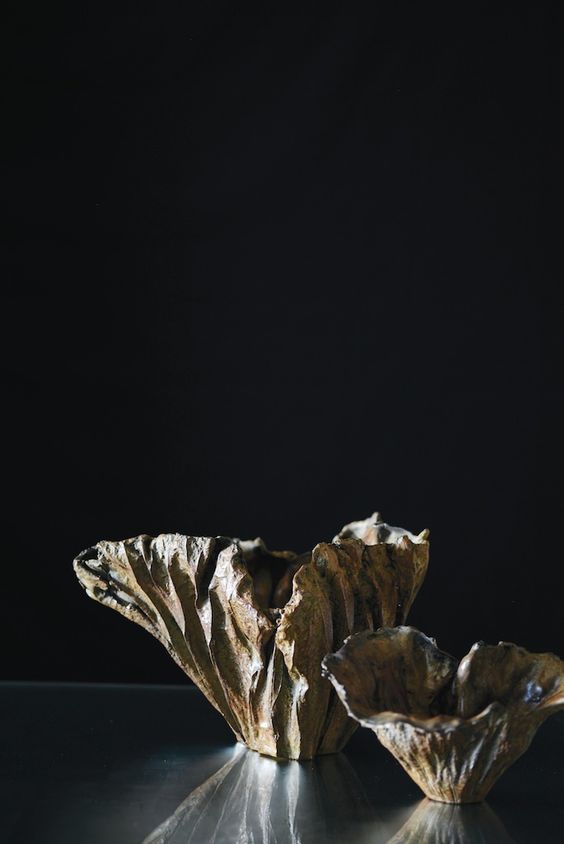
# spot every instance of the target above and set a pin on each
(250, 626)
(455, 728)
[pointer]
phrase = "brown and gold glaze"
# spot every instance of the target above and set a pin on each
(250, 626)
(454, 726)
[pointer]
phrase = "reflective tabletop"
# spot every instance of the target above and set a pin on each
(98, 764)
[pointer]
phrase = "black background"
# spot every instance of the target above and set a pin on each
(271, 271)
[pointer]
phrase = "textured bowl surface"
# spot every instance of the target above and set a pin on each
(454, 727)
(250, 626)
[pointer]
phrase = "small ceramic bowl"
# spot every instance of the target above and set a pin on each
(454, 727)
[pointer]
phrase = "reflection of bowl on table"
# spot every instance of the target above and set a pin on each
(254, 798)
(438, 823)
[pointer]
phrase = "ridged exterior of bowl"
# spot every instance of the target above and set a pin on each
(454, 727)
(260, 668)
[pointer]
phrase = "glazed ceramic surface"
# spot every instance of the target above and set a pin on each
(454, 727)
(250, 626)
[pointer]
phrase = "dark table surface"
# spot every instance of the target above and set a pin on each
(98, 764)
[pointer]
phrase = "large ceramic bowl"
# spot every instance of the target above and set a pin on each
(250, 626)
